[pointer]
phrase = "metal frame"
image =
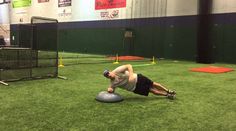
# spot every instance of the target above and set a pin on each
(31, 49)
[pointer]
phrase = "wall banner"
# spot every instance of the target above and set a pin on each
(42, 1)
(108, 4)
(108, 15)
(21, 3)
(64, 3)
(64, 12)
(5, 1)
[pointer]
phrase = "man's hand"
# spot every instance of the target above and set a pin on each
(110, 90)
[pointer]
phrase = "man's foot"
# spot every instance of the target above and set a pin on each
(171, 96)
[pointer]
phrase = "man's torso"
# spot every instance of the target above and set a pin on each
(122, 80)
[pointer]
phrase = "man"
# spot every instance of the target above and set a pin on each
(2, 41)
(124, 77)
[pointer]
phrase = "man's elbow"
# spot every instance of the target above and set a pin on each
(129, 65)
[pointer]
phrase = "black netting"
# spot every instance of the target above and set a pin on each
(35, 56)
(45, 36)
(15, 58)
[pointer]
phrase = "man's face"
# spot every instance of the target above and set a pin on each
(111, 75)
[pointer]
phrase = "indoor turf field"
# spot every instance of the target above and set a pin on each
(204, 101)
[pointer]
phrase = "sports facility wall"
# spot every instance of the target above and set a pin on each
(4, 22)
(161, 28)
(4, 14)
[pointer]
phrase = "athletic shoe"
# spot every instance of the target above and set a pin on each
(171, 96)
(171, 92)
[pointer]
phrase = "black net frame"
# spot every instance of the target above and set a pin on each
(36, 53)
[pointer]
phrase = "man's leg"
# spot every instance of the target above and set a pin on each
(158, 92)
(162, 88)
(155, 90)
(159, 86)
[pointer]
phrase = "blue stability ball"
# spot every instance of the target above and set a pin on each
(104, 96)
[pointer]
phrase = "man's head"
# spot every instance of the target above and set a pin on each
(106, 73)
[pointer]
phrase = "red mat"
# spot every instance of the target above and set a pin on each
(212, 69)
(128, 58)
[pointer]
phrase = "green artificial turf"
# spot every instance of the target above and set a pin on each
(204, 101)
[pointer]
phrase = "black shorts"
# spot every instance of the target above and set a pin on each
(143, 85)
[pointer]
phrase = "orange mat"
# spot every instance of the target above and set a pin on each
(127, 58)
(212, 69)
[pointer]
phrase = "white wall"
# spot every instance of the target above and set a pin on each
(84, 10)
(20, 15)
(224, 6)
(182, 7)
(46, 9)
(81, 10)
(4, 22)
(149, 8)
(4, 14)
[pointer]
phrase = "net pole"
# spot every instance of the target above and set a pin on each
(31, 50)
